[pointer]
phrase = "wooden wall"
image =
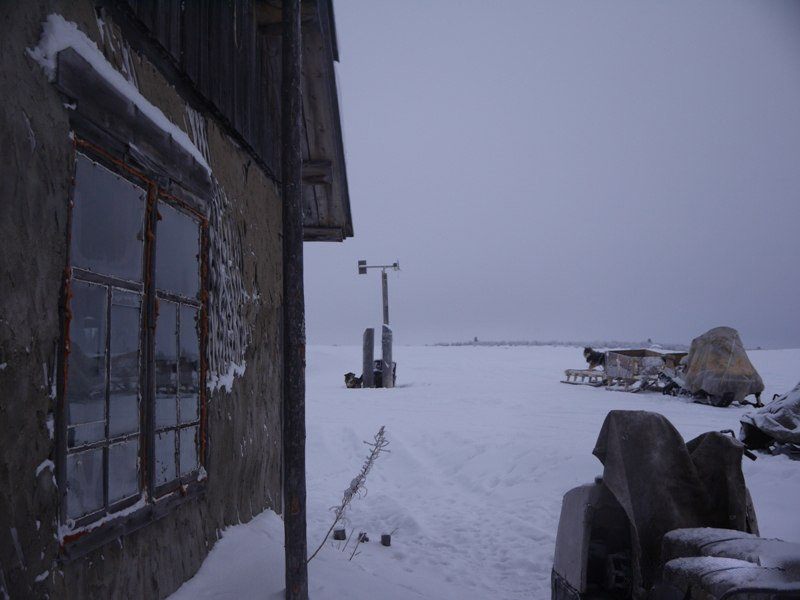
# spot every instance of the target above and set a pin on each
(216, 45)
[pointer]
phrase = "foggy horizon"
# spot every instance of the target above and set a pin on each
(570, 172)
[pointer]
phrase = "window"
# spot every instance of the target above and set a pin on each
(133, 386)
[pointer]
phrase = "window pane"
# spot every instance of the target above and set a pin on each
(86, 375)
(165, 457)
(123, 400)
(177, 252)
(107, 222)
(189, 364)
(188, 450)
(84, 482)
(166, 364)
(123, 470)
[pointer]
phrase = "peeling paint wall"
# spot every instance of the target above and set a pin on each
(244, 342)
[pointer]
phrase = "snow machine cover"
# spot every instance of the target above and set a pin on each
(718, 366)
(779, 421)
(663, 483)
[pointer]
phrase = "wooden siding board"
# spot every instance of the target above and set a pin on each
(146, 11)
(272, 67)
(340, 188)
(226, 68)
(190, 55)
(203, 42)
(175, 8)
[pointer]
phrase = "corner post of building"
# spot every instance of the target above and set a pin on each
(294, 338)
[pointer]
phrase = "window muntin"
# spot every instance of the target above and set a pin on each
(107, 341)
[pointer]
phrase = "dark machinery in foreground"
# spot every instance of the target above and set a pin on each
(668, 520)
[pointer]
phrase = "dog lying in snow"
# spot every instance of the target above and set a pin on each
(351, 381)
(594, 358)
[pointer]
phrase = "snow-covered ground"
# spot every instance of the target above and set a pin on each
(484, 443)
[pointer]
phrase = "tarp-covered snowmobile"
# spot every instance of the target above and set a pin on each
(718, 369)
(776, 425)
(617, 537)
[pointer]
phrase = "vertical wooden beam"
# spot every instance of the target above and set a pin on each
(294, 336)
(368, 353)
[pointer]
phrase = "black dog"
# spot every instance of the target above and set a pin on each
(594, 358)
(351, 381)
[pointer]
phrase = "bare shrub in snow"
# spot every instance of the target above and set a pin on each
(356, 488)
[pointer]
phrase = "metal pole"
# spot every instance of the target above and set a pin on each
(385, 286)
(294, 335)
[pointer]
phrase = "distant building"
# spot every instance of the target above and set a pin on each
(141, 281)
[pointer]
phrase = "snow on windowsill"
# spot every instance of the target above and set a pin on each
(59, 34)
(69, 528)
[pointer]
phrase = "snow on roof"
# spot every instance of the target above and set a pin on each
(59, 34)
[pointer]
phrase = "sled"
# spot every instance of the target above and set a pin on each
(591, 377)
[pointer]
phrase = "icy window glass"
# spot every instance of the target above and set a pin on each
(107, 222)
(123, 470)
(123, 393)
(166, 364)
(86, 375)
(188, 450)
(177, 252)
(165, 457)
(189, 364)
(84, 482)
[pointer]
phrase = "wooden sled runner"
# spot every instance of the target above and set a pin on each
(591, 377)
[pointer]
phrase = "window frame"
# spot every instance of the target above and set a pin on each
(89, 531)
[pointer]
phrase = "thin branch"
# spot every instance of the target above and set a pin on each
(377, 446)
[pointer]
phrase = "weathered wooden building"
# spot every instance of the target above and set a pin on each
(141, 280)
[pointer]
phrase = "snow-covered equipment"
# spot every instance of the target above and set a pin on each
(630, 370)
(377, 372)
(718, 369)
(610, 532)
(641, 369)
(776, 425)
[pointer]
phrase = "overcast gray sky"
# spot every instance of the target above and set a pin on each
(567, 170)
